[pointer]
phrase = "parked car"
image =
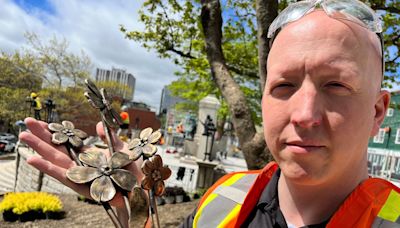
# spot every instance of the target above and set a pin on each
(7, 142)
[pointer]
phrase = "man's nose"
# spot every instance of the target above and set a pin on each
(306, 108)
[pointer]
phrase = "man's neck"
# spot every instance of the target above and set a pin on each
(306, 205)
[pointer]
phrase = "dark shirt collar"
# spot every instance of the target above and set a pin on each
(269, 203)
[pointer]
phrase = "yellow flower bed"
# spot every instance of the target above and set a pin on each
(21, 202)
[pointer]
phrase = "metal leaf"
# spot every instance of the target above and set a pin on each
(94, 101)
(75, 141)
(108, 118)
(147, 183)
(145, 133)
(124, 179)
(159, 187)
(119, 160)
(59, 138)
(82, 174)
(134, 143)
(92, 87)
(81, 134)
(154, 137)
(68, 124)
(135, 153)
(93, 158)
(102, 189)
(116, 117)
(149, 150)
(55, 127)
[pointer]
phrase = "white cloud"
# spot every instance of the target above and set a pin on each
(92, 26)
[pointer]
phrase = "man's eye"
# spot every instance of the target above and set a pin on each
(282, 89)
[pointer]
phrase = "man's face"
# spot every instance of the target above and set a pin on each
(321, 101)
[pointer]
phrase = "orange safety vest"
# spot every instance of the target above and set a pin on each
(228, 203)
(125, 117)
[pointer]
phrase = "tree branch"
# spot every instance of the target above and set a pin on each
(180, 53)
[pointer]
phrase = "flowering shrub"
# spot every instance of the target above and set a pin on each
(21, 202)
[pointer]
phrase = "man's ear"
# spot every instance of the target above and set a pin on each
(381, 106)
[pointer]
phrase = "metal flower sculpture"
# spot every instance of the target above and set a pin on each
(99, 99)
(144, 144)
(66, 132)
(155, 174)
(103, 173)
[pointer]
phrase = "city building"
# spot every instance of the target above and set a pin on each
(120, 76)
(384, 148)
(168, 101)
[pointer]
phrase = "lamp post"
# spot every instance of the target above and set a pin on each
(50, 105)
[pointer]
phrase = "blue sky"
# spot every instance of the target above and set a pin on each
(91, 26)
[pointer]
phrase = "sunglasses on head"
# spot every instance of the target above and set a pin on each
(350, 10)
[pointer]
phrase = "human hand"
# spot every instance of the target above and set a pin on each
(55, 160)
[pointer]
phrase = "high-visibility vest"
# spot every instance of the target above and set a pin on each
(125, 117)
(228, 203)
(38, 104)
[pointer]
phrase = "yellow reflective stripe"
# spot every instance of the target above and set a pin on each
(391, 209)
(210, 198)
(233, 179)
(230, 216)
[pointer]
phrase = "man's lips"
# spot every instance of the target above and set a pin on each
(300, 147)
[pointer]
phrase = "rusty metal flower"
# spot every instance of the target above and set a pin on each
(155, 174)
(144, 144)
(66, 132)
(99, 99)
(103, 173)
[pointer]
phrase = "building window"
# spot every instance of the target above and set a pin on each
(390, 112)
(380, 137)
(397, 139)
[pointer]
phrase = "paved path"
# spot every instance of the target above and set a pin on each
(7, 174)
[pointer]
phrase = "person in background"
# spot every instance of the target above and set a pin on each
(36, 105)
(124, 129)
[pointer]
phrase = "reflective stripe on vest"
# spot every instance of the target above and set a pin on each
(224, 203)
(389, 215)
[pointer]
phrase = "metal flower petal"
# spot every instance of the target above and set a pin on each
(134, 143)
(155, 174)
(145, 133)
(81, 134)
(93, 158)
(149, 150)
(66, 132)
(59, 138)
(75, 141)
(82, 174)
(124, 179)
(55, 127)
(154, 137)
(68, 125)
(159, 188)
(119, 160)
(135, 153)
(102, 189)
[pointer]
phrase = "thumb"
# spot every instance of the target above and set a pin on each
(118, 144)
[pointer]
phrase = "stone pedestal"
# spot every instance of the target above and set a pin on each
(207, 106)
(205, 176)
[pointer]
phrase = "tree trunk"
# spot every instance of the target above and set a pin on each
(266, 12)
(241, 115)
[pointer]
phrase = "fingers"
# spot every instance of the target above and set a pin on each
(47, 151)
(58, 173)
(118, 144)
(38, 128)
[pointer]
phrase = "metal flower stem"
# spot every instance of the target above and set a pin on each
(153, 208)
(111, 214)
(111, 150)
(73, 155)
